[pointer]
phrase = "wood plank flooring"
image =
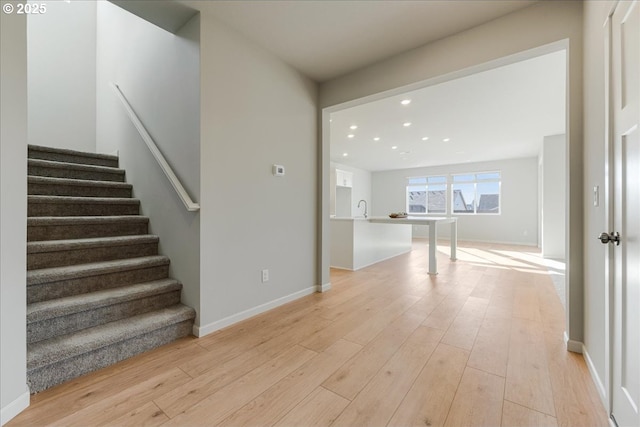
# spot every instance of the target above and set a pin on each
(480, 344)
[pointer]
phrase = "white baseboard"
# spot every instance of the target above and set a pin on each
(573, 346)
(324, 288)
(14, 408)
(462, 240)
(337, 267)
(201, 331)
(360, 267)
(595, 377)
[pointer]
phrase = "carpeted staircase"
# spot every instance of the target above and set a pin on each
(97, 290)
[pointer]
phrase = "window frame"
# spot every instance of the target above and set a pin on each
(475, 181)
(448, 181)
(438, 181)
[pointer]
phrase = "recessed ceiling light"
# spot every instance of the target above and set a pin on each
(350, 135)
(446, 139)
(406, 124)
(395, 147)
(377, 138)
(353, 127)
(424, 138)
(405, 102)
(345, 154)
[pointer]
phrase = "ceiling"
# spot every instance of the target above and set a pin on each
(503, 113)
(170, 16)
(326, 39)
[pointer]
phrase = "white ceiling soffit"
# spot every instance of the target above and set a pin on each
(168, 15)
(503, 113)
(326, 39)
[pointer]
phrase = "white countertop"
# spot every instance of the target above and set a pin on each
(415, 220)
(419, 220)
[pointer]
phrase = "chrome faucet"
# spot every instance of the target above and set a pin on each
(365, 206)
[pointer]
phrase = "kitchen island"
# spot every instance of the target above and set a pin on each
(432, 222)
(357, 243)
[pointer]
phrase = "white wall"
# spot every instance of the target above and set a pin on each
(517, 222)
(540, 200)
(159, 73)
(14, 394)
(554, 196)
(558, 23)
(595, 300)
(62, 76)
(361, 189)
(256, 111)
(543, 23)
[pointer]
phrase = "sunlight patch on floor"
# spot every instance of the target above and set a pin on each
(501, 258)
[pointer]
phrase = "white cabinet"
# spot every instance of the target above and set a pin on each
(343, 202)
(357, 243)
(341, 185)
(344, 178)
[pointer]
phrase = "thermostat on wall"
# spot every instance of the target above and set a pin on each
(278, 170)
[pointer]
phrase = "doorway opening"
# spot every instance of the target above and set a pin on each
(429, 130)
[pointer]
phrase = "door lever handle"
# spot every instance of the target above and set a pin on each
(613, 237)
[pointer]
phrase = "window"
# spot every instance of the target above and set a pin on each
(427, 195)
(476, 193)
(469, 193)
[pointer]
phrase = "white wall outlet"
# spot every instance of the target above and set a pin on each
(265, 275)
(278, 170)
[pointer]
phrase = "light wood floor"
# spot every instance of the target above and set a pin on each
(481, 344)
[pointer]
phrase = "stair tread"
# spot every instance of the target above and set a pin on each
(50, 351)
(72, 152)
(94, 219)
(97, 295)
(76, 182)
(95, 242)
(54, 274)
(45, 310)
(76, 166)
(77, 199)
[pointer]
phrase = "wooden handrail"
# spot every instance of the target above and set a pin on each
(171, 176)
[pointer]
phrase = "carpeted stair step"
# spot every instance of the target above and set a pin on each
(58, 253)
(81, 206)
(97, 290)
(59, 282)
(71, 156)
(73, 171)
(49, 319)
(48, 186)
(62, 358)
(78, 227)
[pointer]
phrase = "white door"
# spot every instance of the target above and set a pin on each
(625, 119)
